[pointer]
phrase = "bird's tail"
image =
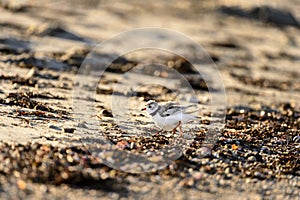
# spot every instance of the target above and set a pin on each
(191, 111)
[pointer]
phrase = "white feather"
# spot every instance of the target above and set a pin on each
(168, 116)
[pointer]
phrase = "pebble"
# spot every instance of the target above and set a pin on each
(251, 159)
(227, 170)
(43, 188)
(265, 149)
(21, 184)
(296, 139)
(232, 157)
(106, 113)
(55, 127)
(31, 73)
(259, 175)
(69, 130)
(204, 152)
(82, 125)
(197, 175)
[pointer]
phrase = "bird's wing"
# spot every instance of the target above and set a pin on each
(171, 108)
(167, 108)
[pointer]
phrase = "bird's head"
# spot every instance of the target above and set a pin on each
(151, 106)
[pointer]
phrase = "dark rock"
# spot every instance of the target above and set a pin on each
(264, 14)
(14, 46)
(106, 113)
(55, 127)
(30, 61)
(275, 16)
(24, 100)
(74, 57)
(13, 6)
(226, 44)
(121, 65)
(196, 82)
(55, 30)
(69, 130)
(181, 65)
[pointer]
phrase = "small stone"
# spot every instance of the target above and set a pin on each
(227, 170)
(17, 174)
(265, 149)
(21, 184)
(69, 130)
(197, 175)
(43, 188)
(259, 175)
(82, 125)
(31, 73)
(247, 180)
(122, 145)
(106, 113)
(251, 159)
(15, 86)
(296, 139)
(70, 158)
(204, 152)
(54, 127)
(64, 175)
(156, 158)
(234, 147)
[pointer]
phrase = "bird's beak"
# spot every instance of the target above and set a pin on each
(143, 109)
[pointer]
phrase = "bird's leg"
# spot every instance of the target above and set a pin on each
(174, 130)
(180, 130)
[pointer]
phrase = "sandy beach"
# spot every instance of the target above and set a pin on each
(75, 75)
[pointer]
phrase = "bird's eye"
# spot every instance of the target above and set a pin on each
(150, 106)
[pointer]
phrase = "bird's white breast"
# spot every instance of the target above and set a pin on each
(166, 123)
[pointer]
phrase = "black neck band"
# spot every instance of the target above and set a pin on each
(156, 111)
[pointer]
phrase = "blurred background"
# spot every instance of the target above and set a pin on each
(255, 44)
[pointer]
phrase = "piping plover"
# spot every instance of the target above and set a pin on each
(170, 115)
